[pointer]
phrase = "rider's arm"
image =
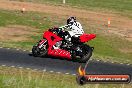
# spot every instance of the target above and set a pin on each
(65, 27)
(80, 27)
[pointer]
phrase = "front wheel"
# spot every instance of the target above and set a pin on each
(87, 53)
(39, 52)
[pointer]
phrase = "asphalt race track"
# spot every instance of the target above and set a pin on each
(19, 58)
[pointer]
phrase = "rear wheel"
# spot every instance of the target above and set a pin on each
(87, 53)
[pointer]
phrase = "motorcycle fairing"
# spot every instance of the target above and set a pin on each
(60, 53)
(87, 37)
(52, 39)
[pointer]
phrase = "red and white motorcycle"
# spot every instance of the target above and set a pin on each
(55, 38)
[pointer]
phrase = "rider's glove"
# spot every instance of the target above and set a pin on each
(62, 28)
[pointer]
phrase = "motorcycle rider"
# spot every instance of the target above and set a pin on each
(72, 29)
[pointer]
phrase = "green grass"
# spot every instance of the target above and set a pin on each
(29, 18)
(35, 20)
(22, 78)
(117, 6)
(107, 47)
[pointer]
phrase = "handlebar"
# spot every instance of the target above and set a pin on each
(58, 30)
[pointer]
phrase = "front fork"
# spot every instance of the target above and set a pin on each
(41, 44)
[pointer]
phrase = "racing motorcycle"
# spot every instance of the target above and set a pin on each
(54, 44)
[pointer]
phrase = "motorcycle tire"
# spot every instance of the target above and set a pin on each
(36, 52)
(87, 56)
